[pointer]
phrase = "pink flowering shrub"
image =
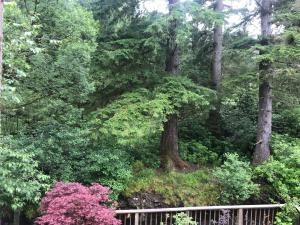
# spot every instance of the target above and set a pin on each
(75, 204)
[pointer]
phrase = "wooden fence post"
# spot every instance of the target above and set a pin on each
(240, 217)
(136, 219)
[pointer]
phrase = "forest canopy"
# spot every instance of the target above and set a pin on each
(110, 92)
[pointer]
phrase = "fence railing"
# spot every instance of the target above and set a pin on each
(210, 215)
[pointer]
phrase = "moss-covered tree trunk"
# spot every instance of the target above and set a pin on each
(169, 150)
(264, 125)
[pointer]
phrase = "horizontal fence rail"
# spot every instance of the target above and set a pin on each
(210, 215)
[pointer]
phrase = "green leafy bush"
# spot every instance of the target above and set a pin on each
(183, 219)
(288, 122)
(107, 163)
(66, 153)
(288, 214)
(282, 172)
(194, 129)
(21, 182)
(195, 152)
(234, 178)
(64, 147)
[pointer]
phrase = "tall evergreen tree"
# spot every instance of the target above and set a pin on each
(1, 49)
(169, 149)
(217, 48)
(264, 126)
(216, 74)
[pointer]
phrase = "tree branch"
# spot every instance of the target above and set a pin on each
(245, 20)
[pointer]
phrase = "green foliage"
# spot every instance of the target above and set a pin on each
(239, 104)
(21, 181)
(107, 163)
(183, 219)
(288, 122)
(86, 96)
(288, 214)
(66, 152)
(139, 115)
(19, 42)
(132, 117)
(234, 178)
(282, 170)
(189, 189)
(194, 129)
(67, 35)
(196, 153)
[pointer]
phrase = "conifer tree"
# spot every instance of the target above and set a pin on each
(264, 125)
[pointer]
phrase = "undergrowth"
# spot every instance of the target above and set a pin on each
(188, 189)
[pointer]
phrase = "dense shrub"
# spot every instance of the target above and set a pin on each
(21, 182)
(288, 122)
(235, 180)
(67, 152)
(193, 129)
(75, 204)
(280, 177)
(288, 214)
(281, 172)
(196, 153)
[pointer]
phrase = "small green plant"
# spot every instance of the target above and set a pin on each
(234, 178)
(182, 219)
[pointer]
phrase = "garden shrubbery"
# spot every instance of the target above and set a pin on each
(73, 203)
(235, 180)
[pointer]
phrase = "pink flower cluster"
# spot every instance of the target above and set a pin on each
(75, 204)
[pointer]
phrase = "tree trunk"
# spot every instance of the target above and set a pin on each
(217, 51)
(216, 75)
(16, 217)
(264, 125)
(1, 54)
(169, 150)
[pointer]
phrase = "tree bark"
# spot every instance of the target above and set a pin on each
(217, 49)
(169, 149)
(1, 54)
(16, 217)
(264, 125)
(216, 73)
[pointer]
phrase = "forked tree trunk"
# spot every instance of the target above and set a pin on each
(264, 125)
(169, 150)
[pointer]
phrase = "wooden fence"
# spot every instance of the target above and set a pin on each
(211, 215)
